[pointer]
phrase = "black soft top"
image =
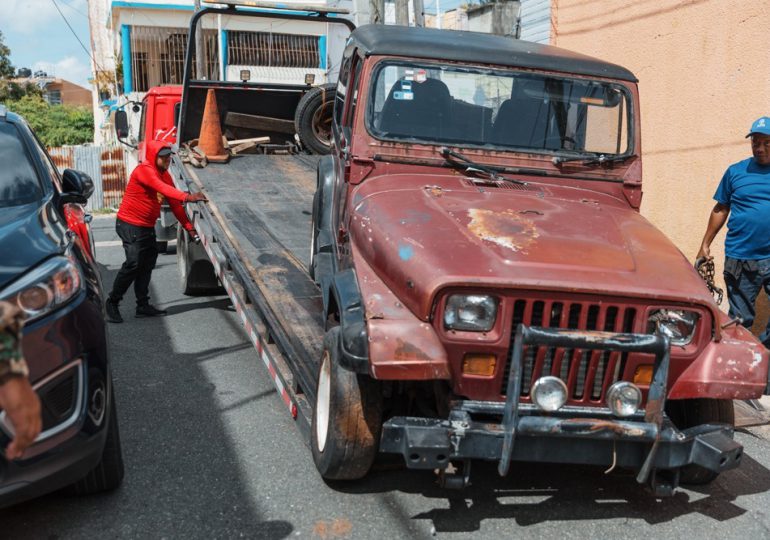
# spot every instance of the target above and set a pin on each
(479, 48)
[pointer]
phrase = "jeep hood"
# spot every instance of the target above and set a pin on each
(424, 238)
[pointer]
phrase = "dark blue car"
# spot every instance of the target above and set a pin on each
(47, 268)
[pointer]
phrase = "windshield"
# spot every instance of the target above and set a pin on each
(19, 183)
(522, 110)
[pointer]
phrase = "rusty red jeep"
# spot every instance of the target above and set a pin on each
(491, 289)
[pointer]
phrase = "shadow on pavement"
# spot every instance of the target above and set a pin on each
(540, 493)
(183, 479)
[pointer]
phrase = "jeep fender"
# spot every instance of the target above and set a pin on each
(344, 297)
(323, 229)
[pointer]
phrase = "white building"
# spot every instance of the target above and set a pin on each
(139, 44)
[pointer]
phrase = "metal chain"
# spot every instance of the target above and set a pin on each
(705, 268)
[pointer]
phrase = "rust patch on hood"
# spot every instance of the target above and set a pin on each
(407, 351)
(508, 229)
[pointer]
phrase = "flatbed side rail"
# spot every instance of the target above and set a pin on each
(285, 364)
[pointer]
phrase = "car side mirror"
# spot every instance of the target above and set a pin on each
(77, 187)
(121, 124)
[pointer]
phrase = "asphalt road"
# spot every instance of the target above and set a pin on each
(211, 452)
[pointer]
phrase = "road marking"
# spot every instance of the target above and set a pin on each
(109, 243)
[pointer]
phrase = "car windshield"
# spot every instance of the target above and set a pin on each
(19, 183)
(509, 109)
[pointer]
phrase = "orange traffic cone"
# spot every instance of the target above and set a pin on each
(210, 140)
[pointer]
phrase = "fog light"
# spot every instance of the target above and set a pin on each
(245, 75)
(549, 393)
(624, 398)
(479, 364)
(309, 78)
(643, 375)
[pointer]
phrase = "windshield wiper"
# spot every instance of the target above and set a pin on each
(476, 168)
(593, 159)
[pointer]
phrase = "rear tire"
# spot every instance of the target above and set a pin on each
(347, 418)
(687, 413)
(162, 247)
(313, 118)
(108, 473)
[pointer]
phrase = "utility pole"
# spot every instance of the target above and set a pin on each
(438, 14)
(200, 54)
(402, 12)
(377, 11)
(419, 12)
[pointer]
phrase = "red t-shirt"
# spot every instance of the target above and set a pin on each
(141, 203)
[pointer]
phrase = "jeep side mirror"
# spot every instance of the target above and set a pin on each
(121, 124)
(77, 187)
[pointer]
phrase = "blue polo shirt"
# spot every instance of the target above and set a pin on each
(745, 188)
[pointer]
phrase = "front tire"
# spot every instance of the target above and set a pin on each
(347, 418)
(687, 413)
(108, 473)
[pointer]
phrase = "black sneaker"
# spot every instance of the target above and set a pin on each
(148, 310)
(113, 313)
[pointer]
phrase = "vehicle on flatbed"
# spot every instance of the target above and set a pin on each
(478, 282)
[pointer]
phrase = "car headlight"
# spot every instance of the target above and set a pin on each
(46, 288)
(475, 312)
(678, 324)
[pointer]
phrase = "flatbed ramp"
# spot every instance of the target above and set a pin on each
(256, 230)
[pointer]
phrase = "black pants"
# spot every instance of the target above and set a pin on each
(141, 254)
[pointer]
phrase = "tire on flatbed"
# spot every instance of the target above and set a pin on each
(347, 418)
(313, 118)
(687, 413)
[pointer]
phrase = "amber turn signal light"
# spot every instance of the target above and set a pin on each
(479, 364)
(643, 375)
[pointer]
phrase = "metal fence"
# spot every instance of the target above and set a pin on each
(157, 56)
(272, 49)
(106, 165)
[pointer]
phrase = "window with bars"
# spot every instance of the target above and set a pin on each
(158, 53)
(271, 49)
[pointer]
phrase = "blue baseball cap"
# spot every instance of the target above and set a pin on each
(762, 126)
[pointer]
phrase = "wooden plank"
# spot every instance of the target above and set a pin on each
(260, 123)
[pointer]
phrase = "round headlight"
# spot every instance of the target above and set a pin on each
(35, 299)
(624, 398)
(549, 393)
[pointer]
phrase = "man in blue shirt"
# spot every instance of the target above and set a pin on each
(744, 196)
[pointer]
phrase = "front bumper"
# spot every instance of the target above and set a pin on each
(67, 356)
(647, 442)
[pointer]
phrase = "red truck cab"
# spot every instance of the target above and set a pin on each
(160, 112)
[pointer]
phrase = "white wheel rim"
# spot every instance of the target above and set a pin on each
(323, 402)
(312, 247)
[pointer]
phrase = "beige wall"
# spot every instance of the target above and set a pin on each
(704, 77)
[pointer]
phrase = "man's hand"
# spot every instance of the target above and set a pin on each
(22, 407)
(704, 253)
(195, 197)
(194, 236)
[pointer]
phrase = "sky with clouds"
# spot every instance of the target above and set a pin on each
(40, 40)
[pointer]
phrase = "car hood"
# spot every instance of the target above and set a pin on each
(28, 234)
(422, 239)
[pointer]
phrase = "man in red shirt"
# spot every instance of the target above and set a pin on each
(135, 225)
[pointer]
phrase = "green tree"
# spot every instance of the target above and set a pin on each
(6, 68)
(55, 125)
